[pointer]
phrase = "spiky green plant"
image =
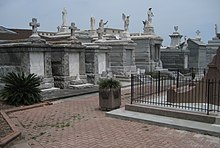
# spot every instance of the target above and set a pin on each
(20, 89)
(109, 83)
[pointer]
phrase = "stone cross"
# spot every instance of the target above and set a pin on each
(73, 28)
(175, 28)
(198, 35)
(34, 25)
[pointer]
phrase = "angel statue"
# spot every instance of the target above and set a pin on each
(126, 21)
(150, 15)
(101, 28)
(64, 17)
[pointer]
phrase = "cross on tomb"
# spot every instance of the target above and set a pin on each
(73, 28)
(198, 33)
(34, 25)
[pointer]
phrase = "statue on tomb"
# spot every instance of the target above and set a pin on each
(126, 21)
(64, 17)
(101, 28)
(150, 15)
(92, 23)
(58, 28)
(216, 29)
(73, 28)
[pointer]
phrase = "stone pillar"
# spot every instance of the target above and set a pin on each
(68, 62)
(81, 61)
(25, 65)
(48, 66)
(95, 55)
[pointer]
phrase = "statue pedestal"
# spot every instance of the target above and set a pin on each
(63, 29)
(125, 36)
(149, 30)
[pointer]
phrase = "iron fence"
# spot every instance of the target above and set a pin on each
(196, 94)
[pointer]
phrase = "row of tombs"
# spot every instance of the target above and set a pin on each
(65, 62)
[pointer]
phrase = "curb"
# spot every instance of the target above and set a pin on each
(15, 133)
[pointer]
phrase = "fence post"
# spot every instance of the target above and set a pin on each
(158, 83)
(177, 79)
(208, 97)
(132, 87)
(204, 71)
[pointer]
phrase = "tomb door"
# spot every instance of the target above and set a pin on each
(74, 64)
(101, 62)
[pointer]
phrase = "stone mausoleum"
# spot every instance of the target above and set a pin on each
(147, 53)
(32, 55)
(176, 55)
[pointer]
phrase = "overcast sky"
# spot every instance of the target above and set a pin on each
(189, 15)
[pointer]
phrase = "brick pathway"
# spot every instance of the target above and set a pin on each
(77, 122)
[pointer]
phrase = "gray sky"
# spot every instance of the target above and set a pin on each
(189, 15)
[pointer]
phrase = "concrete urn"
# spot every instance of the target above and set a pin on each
(109, 97)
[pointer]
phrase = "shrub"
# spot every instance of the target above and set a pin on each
(109, 83)
(20, 89)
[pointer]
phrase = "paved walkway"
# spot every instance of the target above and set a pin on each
(78, 123)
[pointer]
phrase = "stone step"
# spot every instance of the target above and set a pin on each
(194, 126)
(81, 86)
(123, 79)
(77, 82)
(50, 89)
(172, 112)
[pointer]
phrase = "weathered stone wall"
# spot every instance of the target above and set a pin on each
(68, 62)
(10, 62)
(142, 54)
(173, 58)
(147, 53)
(197, 55)
(27, 56)
(91, 62)
(94, 56)
(121, 63)
(212, 47)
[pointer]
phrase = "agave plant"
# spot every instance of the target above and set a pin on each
(109, 83)
(20, 89)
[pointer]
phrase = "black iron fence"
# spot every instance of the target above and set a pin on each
(190, 93)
